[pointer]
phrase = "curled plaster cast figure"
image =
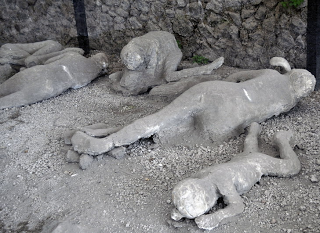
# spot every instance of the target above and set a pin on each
(152, 59)
(28, 54)
(69, 69)
(212, 111)
(195, 196)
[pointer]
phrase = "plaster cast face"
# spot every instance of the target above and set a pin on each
(191, 199)
(132, 59)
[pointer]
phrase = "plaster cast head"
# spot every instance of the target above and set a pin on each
(302, 82)
(101, 60)
(192, 199)
(133, 57)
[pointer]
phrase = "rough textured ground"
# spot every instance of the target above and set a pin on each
(38, 189)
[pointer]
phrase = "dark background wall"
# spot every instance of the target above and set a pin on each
(246, 32)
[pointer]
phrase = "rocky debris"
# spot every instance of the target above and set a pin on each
(85, 161)
(314, 179)
(72, 157)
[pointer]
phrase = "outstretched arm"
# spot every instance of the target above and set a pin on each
(234, 207)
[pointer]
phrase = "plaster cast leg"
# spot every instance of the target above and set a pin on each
(207, 69)
(251, 141)
(19, 98)
(145, 127)
(16, 53)
(39, 48)
(41, 59)
(234, 207)
(289, 162)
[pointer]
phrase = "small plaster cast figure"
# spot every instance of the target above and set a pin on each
(212, 111)
(195, 196)
(67, 70)
(27, 54)
(151, 60)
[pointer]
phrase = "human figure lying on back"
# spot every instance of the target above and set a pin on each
(212, 111)
(60, 71)
(195, 196)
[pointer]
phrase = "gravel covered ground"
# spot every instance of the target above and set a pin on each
(39, 189)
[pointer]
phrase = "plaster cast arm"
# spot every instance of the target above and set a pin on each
(234, 207)
(196, 71)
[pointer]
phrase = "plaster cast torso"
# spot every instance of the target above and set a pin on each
(242, 172)
(40, 82)
(223, 109)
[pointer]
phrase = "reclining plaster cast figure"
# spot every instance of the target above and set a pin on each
(152, 59)
(195, 196)
(212, 111)
(15, 57)
(27, 54)
(67, 70)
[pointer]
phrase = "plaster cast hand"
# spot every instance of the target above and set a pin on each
(208, 221)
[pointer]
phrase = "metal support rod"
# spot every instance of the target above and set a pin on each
(313, 39)
(81, 24)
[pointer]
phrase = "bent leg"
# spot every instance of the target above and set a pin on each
(49, 57)
(288, 164)
(41, 48)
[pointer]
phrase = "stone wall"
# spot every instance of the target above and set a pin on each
(246, 32)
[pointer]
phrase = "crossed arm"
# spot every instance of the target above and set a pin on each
(234, 207)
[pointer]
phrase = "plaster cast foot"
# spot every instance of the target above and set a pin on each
(254, 129)
(83, 143)
(207, 222)
(283, 137)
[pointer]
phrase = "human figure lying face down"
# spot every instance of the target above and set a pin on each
(212, 111)
(67, 69)
(195, 196)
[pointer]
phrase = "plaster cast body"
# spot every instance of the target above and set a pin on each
(59, 73)
(196, 195)
(151, 60)
(210, 112)
(27, 54)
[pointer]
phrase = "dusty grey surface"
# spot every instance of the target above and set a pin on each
(38, 188)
